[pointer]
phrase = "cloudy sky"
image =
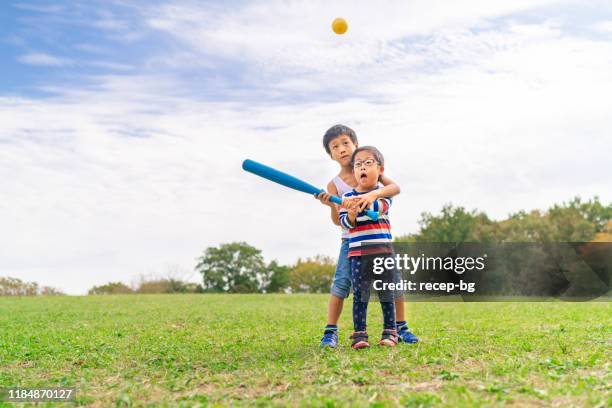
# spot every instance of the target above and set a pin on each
(123, 124)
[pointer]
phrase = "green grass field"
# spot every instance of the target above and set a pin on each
(137, 350)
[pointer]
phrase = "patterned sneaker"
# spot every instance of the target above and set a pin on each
(330, 338)
(389, 338)
(360, 340)
(405, 335)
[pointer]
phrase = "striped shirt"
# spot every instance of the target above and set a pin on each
(367, 236)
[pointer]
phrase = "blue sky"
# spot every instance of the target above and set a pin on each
(50, 42)
(123, 123)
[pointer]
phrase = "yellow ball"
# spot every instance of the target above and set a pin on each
(339, 26)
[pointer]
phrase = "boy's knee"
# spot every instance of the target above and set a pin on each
(341, 288)
(386, 297)
(361, 294)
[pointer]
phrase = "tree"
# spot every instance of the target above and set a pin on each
(313, 275)
(236, 267)
(569, 224)
(593, 211)
(574, 221)
(147, 285)
(279, 277)
(160, 286)
(454, 224)
(50, 291)
(168, 285)
(111, 288)
(605, 235)
(565, 223)
(526, 227)
(16, 287)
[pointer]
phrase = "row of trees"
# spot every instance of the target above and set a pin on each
(574, 221)
(155, 285)
(16, 287)
(239, 267)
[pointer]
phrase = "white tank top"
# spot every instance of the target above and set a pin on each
(342, 188)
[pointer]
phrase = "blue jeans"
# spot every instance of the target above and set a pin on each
(341, 287)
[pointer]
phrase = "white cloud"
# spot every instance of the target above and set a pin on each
(111, 24)
(111, 65)
(604, 26)
(56, 8)
(91, 48)
(294, 35)
(43, 59)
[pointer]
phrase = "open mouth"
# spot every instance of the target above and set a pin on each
(363, 176)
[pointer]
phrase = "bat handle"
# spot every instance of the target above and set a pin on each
(334, 199)
(372, 214)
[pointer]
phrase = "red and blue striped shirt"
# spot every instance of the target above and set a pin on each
(368, 237)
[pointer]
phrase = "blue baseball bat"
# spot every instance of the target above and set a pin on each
(286, 180)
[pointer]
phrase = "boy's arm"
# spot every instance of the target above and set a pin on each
(348, 215)
(324, 198)
(389, 189)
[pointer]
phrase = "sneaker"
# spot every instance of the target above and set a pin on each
(405, 335)
(360, 340)
(330, 338)
(389, 338)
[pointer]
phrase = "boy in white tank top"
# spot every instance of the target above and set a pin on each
(340, 142)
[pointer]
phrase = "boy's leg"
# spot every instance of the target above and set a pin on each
(387, 299)
(404, 334)
(361, 296)
(388, 310)
(341, 286)
(334, 309)
(387, 304)
(361, 292)
(340, 290)
(389, 335)
(400, 311)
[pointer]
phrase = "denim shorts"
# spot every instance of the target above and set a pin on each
(341, 287)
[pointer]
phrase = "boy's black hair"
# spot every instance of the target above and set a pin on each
(335, 131)
(375, 152)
